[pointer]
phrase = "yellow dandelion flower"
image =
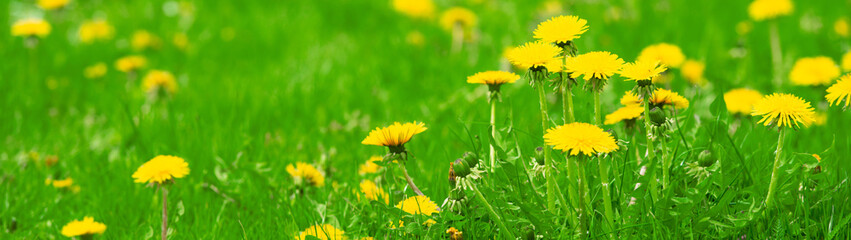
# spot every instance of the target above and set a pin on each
(372, 191)
(86, 227)
(458, 16)
(840, 91)
(667, 54)
(630, 99)
(841, 27)
(629, 112)
(741, 100)
(561, 29)
(820, 118)
(692, 71)
(303, 171)
(31, 27)
(493, 77)
(814, 71)
(576, 138)
(95, 71)
(846, 62)
(394, 135)
(418, 205)
(130, 63)
(52, 4)
(143, 40)
(415, 38)
(454, 234)
(415, 8)
(817, 157)
(63, 183)
(369, 166)
(642, 70)
(784, 110)
(535, 55)
(95, 30)
(157, 80)
(664, 97)
(322, 232)
(599, 65)
(768, 9)
(160, 169)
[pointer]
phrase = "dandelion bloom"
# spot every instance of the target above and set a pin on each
(52, 4)
(576, 138)
(303, 171)
(692, 71)
(418, 205)
(86, 227)
(62, 183)
(784, 110)
(629, 112)
(846, 62)
(664, 97)
(95, 30)
(454, 234)
(536, 54)
(394, 135)
(95, 71)
(599, 65)
(160, 169)
(741, 100)
(130, 63)
(458, 16)
(840, 91)
(322, 232)
(369, 166)
(630, 99)
(767, 9)
(157, 80)
(144, 40)
(667, 54)
(31, 27)
(493, 77)
(415, 8)
(841, 27)
(814, 71)
(642, 70)
(372, 192)
(561, 29)
(820, 118)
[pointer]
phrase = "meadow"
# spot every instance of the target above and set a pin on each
(273, 107)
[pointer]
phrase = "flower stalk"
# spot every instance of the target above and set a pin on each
(651, 151)
(776, 53)
(607, 198)
(409, 180)
(537, 78)
(772, 186)
(583, 192)
(165, 211)
(493, 132)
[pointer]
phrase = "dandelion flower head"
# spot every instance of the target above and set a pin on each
(304, 171)
(561, 29)
(840, 91)
(394, 135)
(814, 71)
(493, 77)
(536, 54)
(741, 100)
(160, 169)
(667, 54)
(767, 9)
(87, 226)
(784, 110)
(31, 27)
(576, 138)
(599, 65)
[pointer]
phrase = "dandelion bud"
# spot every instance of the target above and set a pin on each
(657, 117)
(471, 159)
(452, 175)
(706, 158)
(460, 168)
(539, 155)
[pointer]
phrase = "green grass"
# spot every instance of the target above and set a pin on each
(306, 81)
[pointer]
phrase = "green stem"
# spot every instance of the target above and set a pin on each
(567, 107)
(551, 191)
(651, 154)
(769, 199)
(597, 109)
(493, 214)
(666, 164)
(493, 134)
(607, 198)
(583, 192)
(776, 54)
(409, 180)
(165, 212)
